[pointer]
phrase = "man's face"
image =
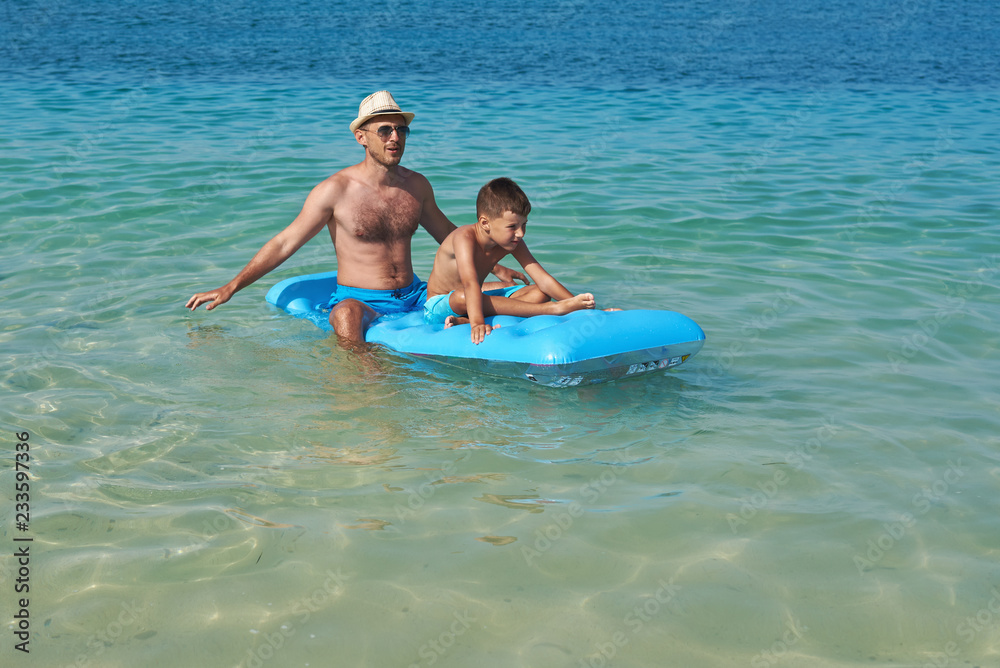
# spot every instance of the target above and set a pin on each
(385, 143)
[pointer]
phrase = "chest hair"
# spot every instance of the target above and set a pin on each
(380, 221)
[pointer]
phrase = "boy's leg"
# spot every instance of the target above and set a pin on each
(516, 307)
(531, 294)
(494, 305)
(526, 293)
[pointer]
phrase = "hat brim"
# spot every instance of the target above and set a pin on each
(358, 122)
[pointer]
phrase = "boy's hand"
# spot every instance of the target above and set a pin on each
(479, 332)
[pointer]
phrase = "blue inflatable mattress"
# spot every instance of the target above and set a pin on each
(579, 348)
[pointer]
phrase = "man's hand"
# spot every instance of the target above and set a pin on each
(216, 297)
(508, 276)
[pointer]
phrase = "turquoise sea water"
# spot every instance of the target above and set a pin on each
(816, 488)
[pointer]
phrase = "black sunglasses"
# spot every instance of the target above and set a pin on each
(385, 131)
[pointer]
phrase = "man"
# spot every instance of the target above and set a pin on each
(372, 209)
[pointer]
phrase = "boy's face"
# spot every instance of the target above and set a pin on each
(508, 230)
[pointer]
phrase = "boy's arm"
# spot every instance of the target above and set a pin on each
(465, 260)
(543, 279)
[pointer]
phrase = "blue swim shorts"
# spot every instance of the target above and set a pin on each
(410, 298)
(437, 309)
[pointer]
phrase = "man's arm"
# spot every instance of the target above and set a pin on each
(316, 213)
(432, 218)
(508, 276)
(438, 226)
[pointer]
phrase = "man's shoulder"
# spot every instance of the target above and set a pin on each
(344, 176)
(338, 183)
(414, 179)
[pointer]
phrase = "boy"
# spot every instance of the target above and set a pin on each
(468, 255)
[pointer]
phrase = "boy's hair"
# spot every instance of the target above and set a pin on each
(499, 196)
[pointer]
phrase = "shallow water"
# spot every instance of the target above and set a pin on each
(817, 487)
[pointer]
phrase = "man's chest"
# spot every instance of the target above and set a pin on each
(382, 219)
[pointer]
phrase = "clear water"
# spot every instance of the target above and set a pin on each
(815, 186)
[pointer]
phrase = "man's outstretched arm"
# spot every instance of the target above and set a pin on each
(316, 213)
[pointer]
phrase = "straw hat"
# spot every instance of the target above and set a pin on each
(378, 104)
